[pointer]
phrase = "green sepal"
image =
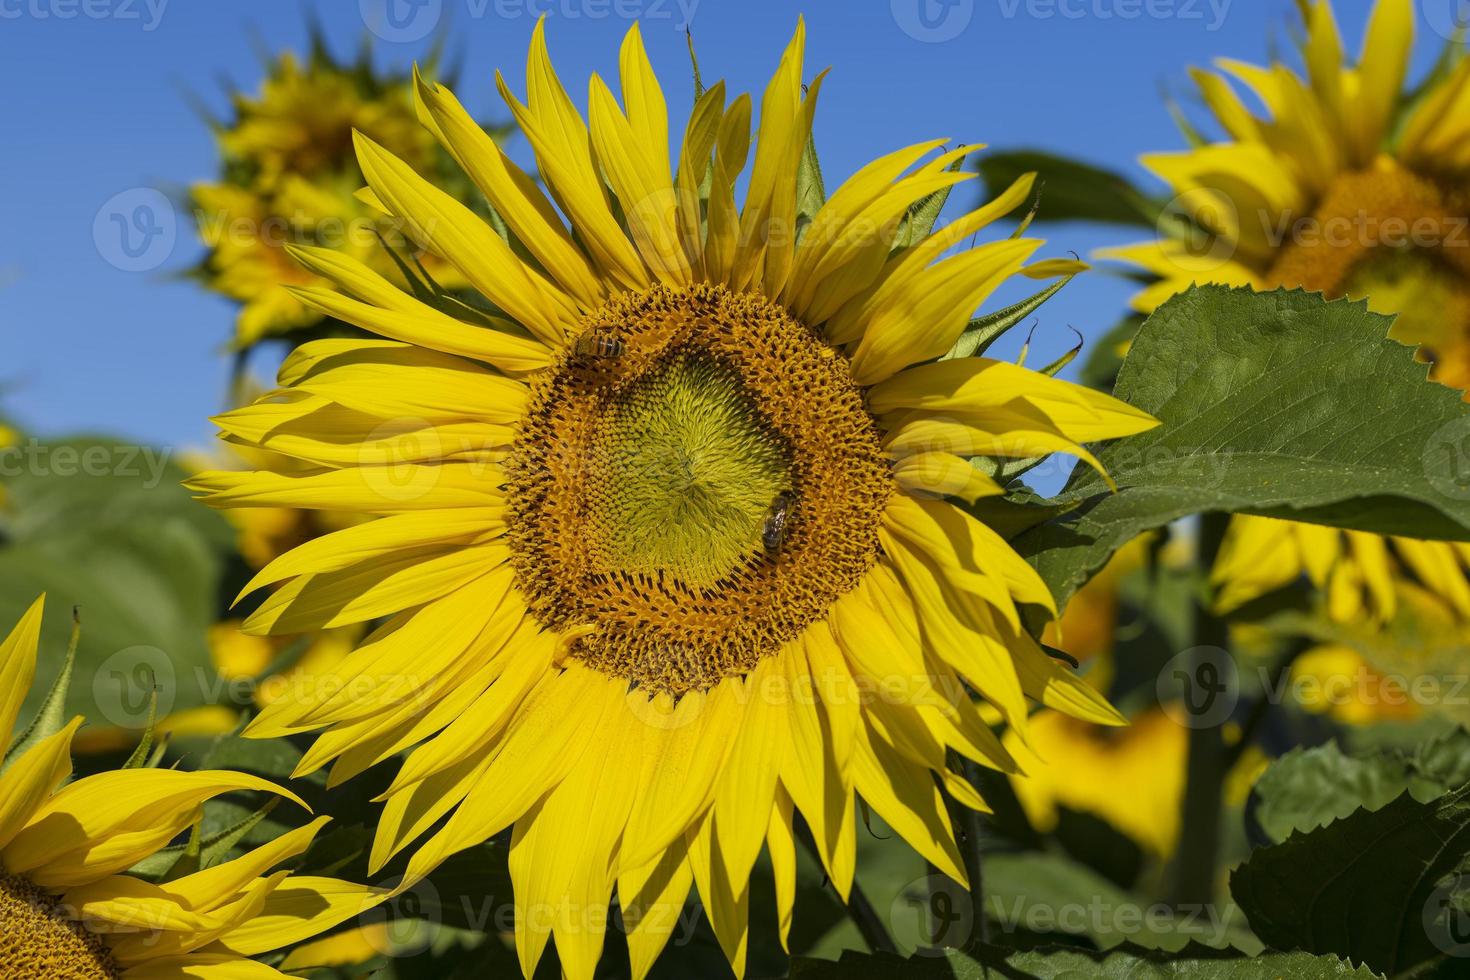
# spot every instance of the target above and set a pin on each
(51, 716)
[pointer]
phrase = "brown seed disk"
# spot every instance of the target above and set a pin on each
(670, 628)
(39, 942)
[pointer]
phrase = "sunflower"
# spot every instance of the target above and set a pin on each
(669, 536)
(69, 909)
(1361, 575)
(1352, 188)
(289, 175)
(1132, 778)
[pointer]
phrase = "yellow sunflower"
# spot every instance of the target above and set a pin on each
(301, 123)
(1132, 778)
(1348, 187)
(1361, 575)
(668, 538)
(69, 909)
(290, 176)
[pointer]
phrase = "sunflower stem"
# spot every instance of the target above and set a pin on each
(970, 827)
(1199, 838)
(865, 917)
(859, 909)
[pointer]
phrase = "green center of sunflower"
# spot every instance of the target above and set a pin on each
(1400, 241)
(695, 481)
(689, 471)
(39, 942)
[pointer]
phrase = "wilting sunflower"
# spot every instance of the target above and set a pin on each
(669, 542)
(289, 175)
(1352, 187)
(69, 909)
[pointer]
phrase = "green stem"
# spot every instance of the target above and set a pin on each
(1199, 837)
(969, 826)
(859, 909)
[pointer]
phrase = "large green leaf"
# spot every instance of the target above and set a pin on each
(1272, 403)
(105, 526)
(992, 963)
(1310, 787)
(1072, 190)
(1385, 887)
(1043, 893)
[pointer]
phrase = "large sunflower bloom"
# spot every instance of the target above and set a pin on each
(69, 909)
(1350, 188)
(664, 543)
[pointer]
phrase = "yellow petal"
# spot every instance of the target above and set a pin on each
(652, 898)
(457, 233)
(104, 823)
(515, 195)
(302, 907)
(18, 666)
(32, 778)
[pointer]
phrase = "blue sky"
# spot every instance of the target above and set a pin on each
(95, 108)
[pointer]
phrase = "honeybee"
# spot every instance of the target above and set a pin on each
(598, 343)
(777, 520)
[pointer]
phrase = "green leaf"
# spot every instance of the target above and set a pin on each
(200, 851)
(1072, 190)
(994, 963)
(1050, 893)
(983, 331)
(811, 192)
(141, 752)
(1101, 365)
(919, 220)
(1310, 787)
(1384, 887)
(1278, 404)
(51, 716)
(105, 526)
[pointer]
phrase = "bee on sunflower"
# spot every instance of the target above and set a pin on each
(289, 175)
(598, 634)
(1351, 186)
(75, 903)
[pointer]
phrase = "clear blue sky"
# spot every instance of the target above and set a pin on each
(94, 107)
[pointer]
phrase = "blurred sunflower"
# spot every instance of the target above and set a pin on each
(1132, 778)
(662, 539)
(1349, 186)
(290, 175)
(1361, 575)
(69, 909)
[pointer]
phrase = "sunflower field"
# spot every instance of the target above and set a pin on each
(472, 510)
